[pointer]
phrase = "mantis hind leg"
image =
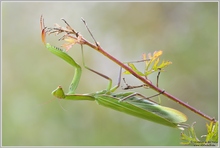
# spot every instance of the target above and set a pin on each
(142, 96)
(109, 87)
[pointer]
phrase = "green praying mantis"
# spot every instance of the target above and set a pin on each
(128, 102)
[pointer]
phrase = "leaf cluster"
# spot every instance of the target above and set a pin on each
(151, 64)
(211, 139)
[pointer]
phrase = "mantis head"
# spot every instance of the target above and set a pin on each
(59, 93)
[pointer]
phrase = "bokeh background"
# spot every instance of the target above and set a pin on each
(186, 32)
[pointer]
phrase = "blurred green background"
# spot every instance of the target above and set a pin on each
(186, 32)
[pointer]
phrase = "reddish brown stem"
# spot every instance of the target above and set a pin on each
(99, 49)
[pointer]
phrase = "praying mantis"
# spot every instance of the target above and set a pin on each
(128, 102)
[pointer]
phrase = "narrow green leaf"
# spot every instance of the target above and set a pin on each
(134, 69)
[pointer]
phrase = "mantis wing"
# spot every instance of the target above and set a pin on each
(144, 109)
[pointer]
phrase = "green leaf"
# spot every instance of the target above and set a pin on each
(164, 64)
(134, 69)
(155, 67)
